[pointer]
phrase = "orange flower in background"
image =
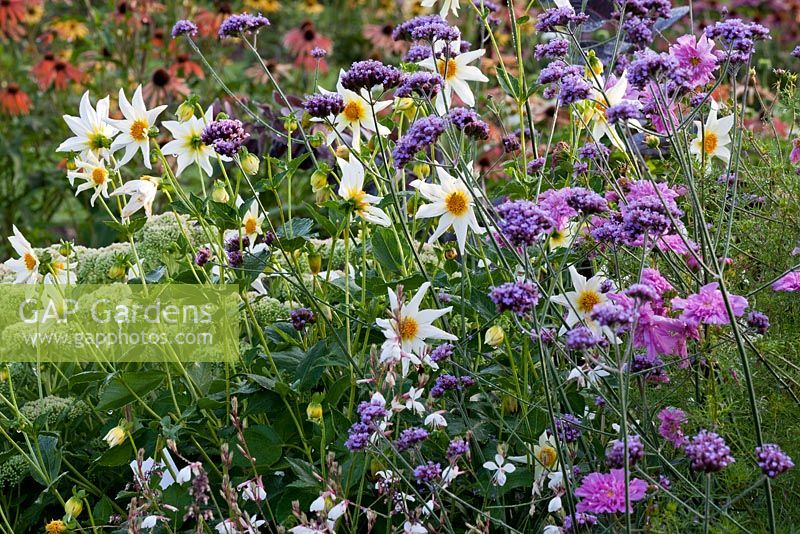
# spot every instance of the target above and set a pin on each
(301, 41)
(263, 6)
(14, 101)
(380, 35)
(163, 85)
(208, 22)
(312, 7)
(278, 70)
(12, 15)
(55, 71)
(33, 12)
(185, 67)
(69, 29)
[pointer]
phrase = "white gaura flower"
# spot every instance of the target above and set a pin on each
(436, 420)
(456, 70)
(134, 128)
(414, 528)
(92, 132)
(412, 400)
(453, 203)
(142, 193)
(357, 114)
(447, 5)
(94, 172)
(241, 525)
(556, 484)
(594, 109)
(714, 137)
(580, 302)
(26, 267)
(187, 146)
(252, 221)
(408, 327)
(587, 375)
(500, 468)
(351, 188)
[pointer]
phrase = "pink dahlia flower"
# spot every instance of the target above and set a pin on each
(708, 307)
(696, 58)
(604, 493)
(788, 282)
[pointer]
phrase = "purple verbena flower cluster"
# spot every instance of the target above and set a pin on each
(236, 25)
(226, 136)
(422, 84)
(772, 460)
(708, 452)
(615, 455)
(370, 73)
(322, 106)
(468, 122)
(518, 297)
(422, 134)
(522, 222)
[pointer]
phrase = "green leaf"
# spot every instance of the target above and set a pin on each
(387, 250)
(50, 463)
(264, 445)
(124, 388)
(320, 219)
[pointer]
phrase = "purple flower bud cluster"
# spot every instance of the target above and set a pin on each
(728, 178)
(403, 31)
(615, 316)
(469, 122)
(417, 53)
(518, 297)
(651, 368)
(559, 16)
(410, 437)
(428, 472)
(370, 413)
(202, 256)
(422, 134)
(535, 165)
(568, 428)
(624, 111)
(323, 105)
(708, 452)
(579, 522)
(642, 293)
(581, 338)
(235, 258)
(435, 32)
(553, 49)
(226, 136)
(737, 38)
(796, 52)
(369, 73)
(318, 52)
(593, 151)
(184, 27)
(457, 447)
(445, 383)
(235, 243)
(615, 455)
(640, 17)
(772, 460)
(358, 437)
(566, 81)
(648, 66)
(235, 25)
(586, 201)
(522, 222)
(491, 10)
(758, 321)
(301, 317)
(510, 143)
(442, 352)
(422, 84)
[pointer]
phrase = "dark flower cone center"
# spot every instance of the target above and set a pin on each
(60, 66)
(161, 78)
(387, 29)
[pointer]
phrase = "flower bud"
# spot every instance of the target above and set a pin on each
(73, 507)
(319, 180)
(509, 404)
(185, 111)
(314, 412)
(316, 140)
(115, 436)
(494, 336)
(220, 194)
(450, 254)
(315, 262)
(290, 123)
(56, 526)
(421, 170)
(594, 63)
(117, 272)
(250, 164)
(652, 141)
(65, 249)
(343, 152)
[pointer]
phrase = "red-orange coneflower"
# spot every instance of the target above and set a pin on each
(13, 100)
(301, 41)
(185, 67)
(55, 71)
(209, 21)
(161, 86)
(380, 35)
(12, 15)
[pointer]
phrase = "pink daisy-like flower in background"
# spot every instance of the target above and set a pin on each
(670, 428)
(380, 35)
(696, 58)
(301, 41)
(794, 155)
(788, 282)
(604, 493)
(708, 307)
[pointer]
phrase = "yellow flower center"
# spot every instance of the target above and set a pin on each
(30, 261)
(58, 266)
(357, 198)
(710, 142)
(457, 203)
(407, 328)
(55, 527)
(695, 61)
(250, 225)
(353, 111)
(547, 456)
(139, 130)
(99, 175)
(447, 68)
(588, 299)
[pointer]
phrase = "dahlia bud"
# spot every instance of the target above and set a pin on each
(422, 170)
(316, 140)
(65, 249)
(220, 194)
(117, 272)
(185, 111)
(495, 336)
(343, 152)
(652, 141)
(115, 436)
(314, 412)
(319, 179)
(73, 507)
(290, 123)
(314, 262)
(250, 164)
